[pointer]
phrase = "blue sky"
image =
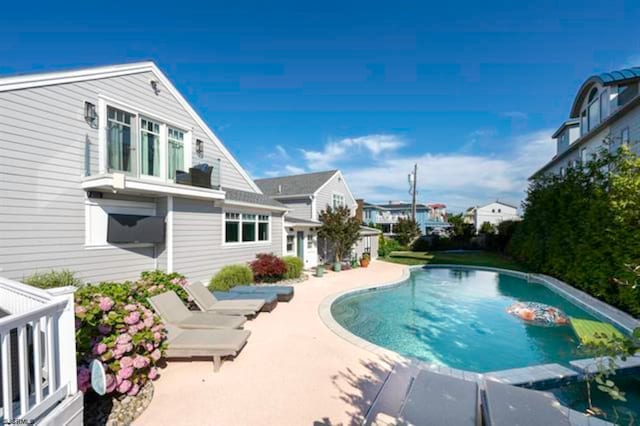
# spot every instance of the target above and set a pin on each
(471, 91)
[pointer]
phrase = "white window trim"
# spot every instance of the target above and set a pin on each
(105, 101)
(241, 243)
(340, 194)
(293, 245)
(112, 206)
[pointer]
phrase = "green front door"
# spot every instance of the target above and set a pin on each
(300, 245)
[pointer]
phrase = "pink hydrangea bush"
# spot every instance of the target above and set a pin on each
(114, 326)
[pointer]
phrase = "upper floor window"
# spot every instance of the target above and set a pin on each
(139, 145)
(176, 151)
(624, 136)
(593, 109)
(120, 149)
(604, 104)
(149, 147)
(626, 92)
(337, 201)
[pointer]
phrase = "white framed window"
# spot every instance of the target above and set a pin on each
(121, 150)
(604, 104)
(624, 136)
(563, 171)
(626, 92)
(263, 227)
(309, 241)
(290, 242)
(149, 147)
(583, 156)
(97, 212)
(245, 228)
(175, 152)
(337, 200)
(367, 244)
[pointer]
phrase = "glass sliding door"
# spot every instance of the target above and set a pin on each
(120, 145)
(149, 147)
(176, 152)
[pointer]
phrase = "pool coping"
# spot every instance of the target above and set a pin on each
(590, 304)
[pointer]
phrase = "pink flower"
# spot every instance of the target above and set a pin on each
(156, 355)
(124, 386)
(132, 318)
(104, 329)
(80, 310)
(140, 362)
(118, 352)
(134, 390)
(157, 336)
(105, 304)
(125, 373)
(126, 361)
(130, 307)
(99, 349)
(153, 373)
(149, 347)
(84, 379)
(148, 322)
(123, 338)
(110, 383)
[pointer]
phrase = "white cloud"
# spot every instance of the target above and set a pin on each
(460, 180)
(280, 153)
(294, 170)
(337, 151)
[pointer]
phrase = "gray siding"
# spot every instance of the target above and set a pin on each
(44, 141)
(324, 196)
(360, 246)
(198, 248)
(300, 207)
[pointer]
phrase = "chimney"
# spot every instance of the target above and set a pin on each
(360, 210)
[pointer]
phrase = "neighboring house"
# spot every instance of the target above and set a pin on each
(605, 114)
(385, 216)
(494, 213)
(98, 176)
(306, 195)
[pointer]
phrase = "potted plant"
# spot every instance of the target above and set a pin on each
(319, 271)
(364, 260)
(337, 266)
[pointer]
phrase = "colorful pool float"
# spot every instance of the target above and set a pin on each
(538, 314)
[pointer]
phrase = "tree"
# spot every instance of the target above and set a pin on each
(339, 228)
(406, 231)
(459, 229)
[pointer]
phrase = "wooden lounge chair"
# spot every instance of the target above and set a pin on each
(185, 343)
(207, 302)
(284, 293)
(172, 311)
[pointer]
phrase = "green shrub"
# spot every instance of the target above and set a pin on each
(231, 276)
(294, 267)
(388, 245)
(584, 227)
(53, 279)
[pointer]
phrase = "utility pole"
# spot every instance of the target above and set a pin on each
(413, 181)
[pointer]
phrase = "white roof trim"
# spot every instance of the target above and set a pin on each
(52, 78)
(255, 206)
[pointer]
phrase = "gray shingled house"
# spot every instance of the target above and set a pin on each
(306, 195)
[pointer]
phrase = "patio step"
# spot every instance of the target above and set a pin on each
(543, 376)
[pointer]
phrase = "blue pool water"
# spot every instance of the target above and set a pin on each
(458, 318)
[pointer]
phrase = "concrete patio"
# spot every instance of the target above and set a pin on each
(293, 371)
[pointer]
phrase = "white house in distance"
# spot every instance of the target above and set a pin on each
(494, 213)
(605, 115)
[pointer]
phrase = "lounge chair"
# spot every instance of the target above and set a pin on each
(172, 311)
(270, 300)
(184, 343)
(284, 293)
(207, 302)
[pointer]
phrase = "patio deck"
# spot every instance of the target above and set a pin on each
(293, 371)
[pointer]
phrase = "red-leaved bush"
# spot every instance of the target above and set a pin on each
(268, 268)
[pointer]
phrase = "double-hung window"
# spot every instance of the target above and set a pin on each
(290, 239)
(120, 144)
(624, 136)
(248, 227)
(149, 147)
(263, 227)
(232, 227)
(175, 151)
(337, 200)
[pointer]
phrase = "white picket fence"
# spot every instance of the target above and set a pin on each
(41, 324)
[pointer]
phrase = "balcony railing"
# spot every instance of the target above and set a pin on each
(37, 350)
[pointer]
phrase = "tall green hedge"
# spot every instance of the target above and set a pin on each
(584, 227)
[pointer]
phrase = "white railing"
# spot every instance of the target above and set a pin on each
(38, 350)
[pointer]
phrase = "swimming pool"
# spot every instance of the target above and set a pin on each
(457, 317)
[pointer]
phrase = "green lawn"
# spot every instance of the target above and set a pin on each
(474, 258)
